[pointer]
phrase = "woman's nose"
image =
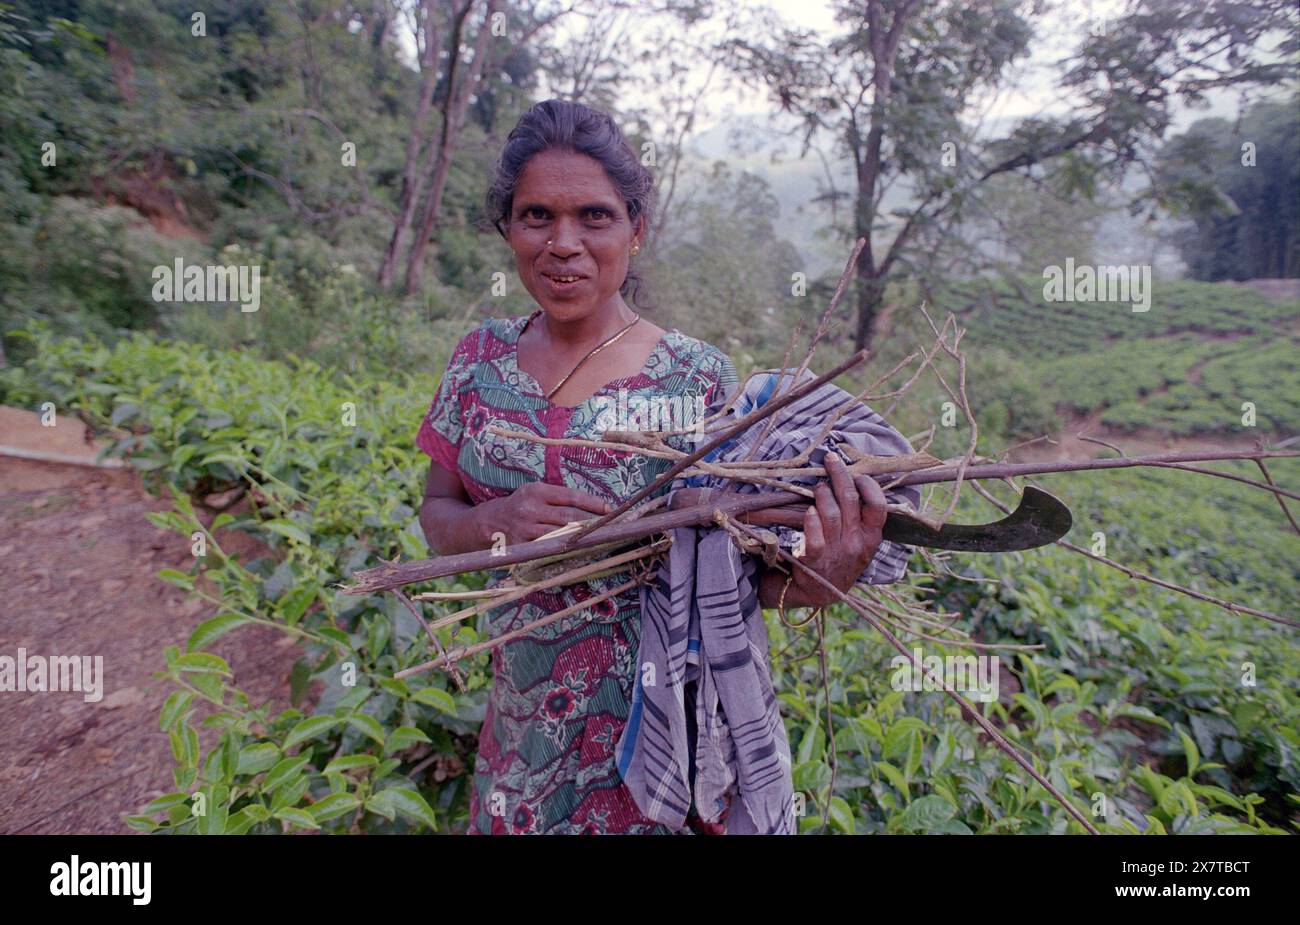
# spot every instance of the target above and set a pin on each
(565, 240)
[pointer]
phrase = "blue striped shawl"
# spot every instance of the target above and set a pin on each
(703, 666)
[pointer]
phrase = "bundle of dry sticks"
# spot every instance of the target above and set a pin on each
(633, 537)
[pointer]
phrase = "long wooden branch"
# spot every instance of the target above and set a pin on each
(395, 575)
(448, 659)
(1278, 493)
(1011, 470)
(383, 577)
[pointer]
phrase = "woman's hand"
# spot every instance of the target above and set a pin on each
(841, 535)
(452, 524)
(535, 509)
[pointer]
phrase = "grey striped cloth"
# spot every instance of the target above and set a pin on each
(704, 726)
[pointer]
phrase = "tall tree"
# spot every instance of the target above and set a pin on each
(474, 58)
(894, 91)
(462, 77)
(424, 179)
(1239, 187)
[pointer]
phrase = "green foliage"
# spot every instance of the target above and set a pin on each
(84, 267)
(334, 498)
(316, 307)
(1136, 695)
(998, 314)
(1240, 186)
(89, 269)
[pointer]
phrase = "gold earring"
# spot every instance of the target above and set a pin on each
(635, 250)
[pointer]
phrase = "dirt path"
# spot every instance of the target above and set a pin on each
(1069, 445)
(79, 562)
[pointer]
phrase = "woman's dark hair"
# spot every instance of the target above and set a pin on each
(571, 126)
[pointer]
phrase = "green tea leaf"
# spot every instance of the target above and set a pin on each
(925, 814)
(333, 806)
(841, 816)
(254, 759)
(405, 802)
(213, 629)
(298, 817)
(351, 762)
(166, 802)
(403, 737)
(436, 698)
(284, 771)
(309, 728)
(173, 709)
(288, 528)
(368, 725)
(204, 662)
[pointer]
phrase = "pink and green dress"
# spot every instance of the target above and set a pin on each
(562, 694)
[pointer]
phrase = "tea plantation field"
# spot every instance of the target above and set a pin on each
(1153, 712)
(1184, 367)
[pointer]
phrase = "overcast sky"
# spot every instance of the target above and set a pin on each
(1029, 90)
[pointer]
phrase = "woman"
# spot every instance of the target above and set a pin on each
(573, 201)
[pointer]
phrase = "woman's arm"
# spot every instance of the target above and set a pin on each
(447, 516)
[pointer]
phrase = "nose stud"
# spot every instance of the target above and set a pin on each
(636, 248)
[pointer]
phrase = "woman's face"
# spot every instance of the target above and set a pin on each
(567, 198)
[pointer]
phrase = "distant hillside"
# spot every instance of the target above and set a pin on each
(1185, 366)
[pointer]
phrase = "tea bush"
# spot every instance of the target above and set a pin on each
(1185, 366)
(1134, 706)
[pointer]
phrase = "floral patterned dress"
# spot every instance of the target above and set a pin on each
(562, 693)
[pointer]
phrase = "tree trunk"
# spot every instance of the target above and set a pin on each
(457, 103)
(412, 184)
(883, 42)
(871, 292)
(432, 209)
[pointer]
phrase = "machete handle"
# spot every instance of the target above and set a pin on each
(786, 515)
(791, 515)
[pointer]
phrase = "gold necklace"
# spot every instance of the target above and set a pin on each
(595, 350)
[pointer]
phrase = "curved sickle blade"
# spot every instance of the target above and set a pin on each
(1040, 519)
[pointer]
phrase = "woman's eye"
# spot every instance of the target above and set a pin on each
(536, 215)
